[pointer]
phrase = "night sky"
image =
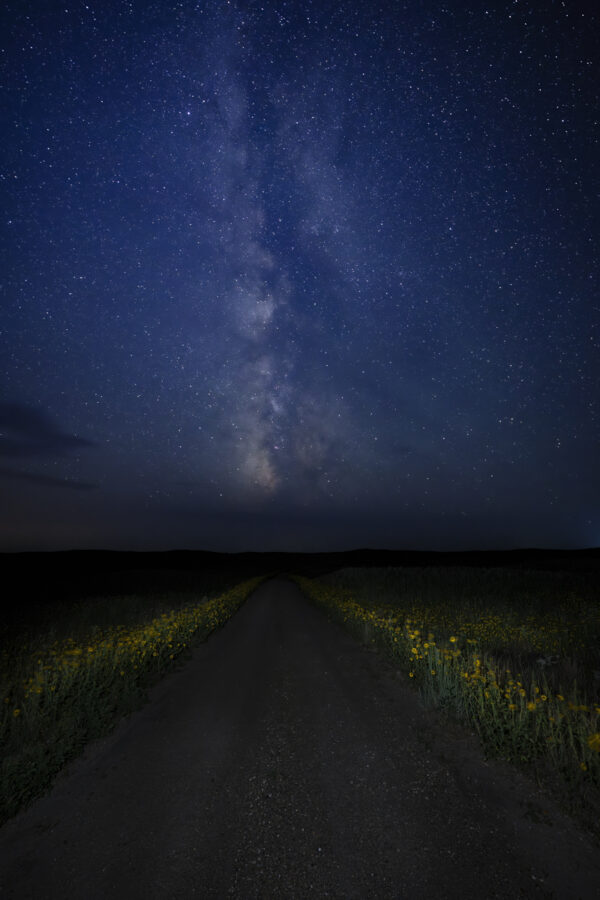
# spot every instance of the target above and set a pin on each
(299, 276)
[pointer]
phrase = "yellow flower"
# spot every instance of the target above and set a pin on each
(512, 706)
(530, 706)
(583, 767)
(433, 671)
(594, 741)
(453, 640)
(411, 674)
(16, 712)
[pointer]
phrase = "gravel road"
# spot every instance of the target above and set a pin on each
(286, 760)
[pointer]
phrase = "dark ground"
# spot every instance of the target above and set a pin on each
(73, 570)
(286, 760)
(45, 579)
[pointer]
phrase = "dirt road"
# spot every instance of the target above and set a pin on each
(285, 760)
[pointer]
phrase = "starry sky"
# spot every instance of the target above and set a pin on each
(299, 275)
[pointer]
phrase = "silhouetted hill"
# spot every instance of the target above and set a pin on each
(45, 579)
(96, 571)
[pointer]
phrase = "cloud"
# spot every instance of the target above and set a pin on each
(28, 432)
(47, 480)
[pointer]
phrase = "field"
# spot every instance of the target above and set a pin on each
(70, 671)
(513, 654)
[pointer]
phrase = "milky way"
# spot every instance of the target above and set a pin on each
(299, 276)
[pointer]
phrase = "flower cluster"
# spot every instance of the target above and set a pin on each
(457, 669)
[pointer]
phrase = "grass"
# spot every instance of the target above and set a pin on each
(514, 655)
(69, 683)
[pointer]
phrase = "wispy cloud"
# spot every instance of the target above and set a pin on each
(47, 480)
(28, 432)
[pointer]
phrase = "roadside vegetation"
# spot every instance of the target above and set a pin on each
(514, 655)
(71, 674)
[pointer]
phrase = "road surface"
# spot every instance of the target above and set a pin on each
(286, 760)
